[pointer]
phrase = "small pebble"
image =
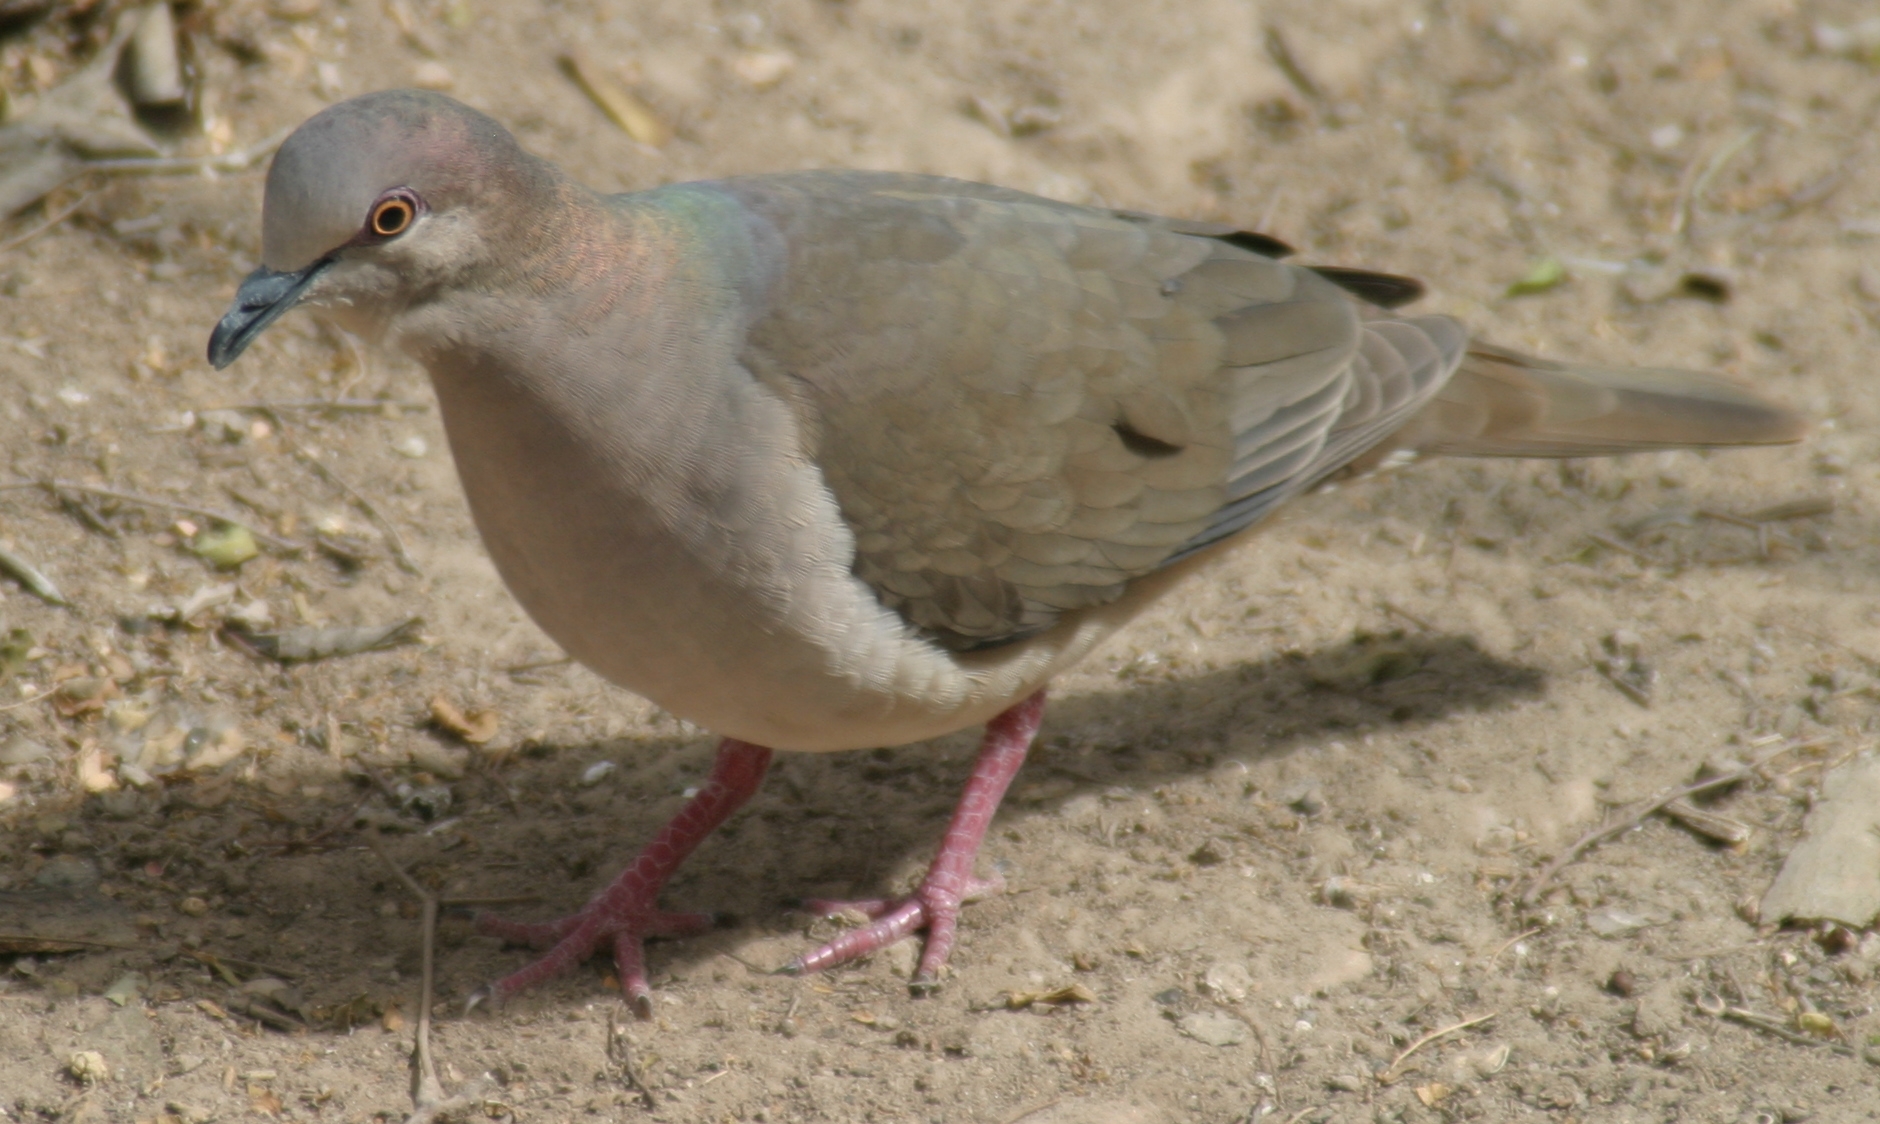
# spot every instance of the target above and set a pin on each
(87, 1067)
(1616, 922)
(1307, 798)
(432, 75)
(1213, 1029)
(763, 69)
(1228, 981)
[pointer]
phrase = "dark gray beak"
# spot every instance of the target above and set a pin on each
(263, 296)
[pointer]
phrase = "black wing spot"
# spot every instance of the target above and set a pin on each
(1263, 244)
(1386, 290)
(1142, 444)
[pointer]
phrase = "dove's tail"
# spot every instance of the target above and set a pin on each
(1501, 403)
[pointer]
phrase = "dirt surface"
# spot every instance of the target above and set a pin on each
(1276, 832)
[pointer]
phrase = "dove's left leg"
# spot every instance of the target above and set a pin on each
(627, 912)
(935, 903)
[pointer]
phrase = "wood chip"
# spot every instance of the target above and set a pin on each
(475, 727)
(1723, 829)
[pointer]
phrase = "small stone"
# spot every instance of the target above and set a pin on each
(1340, 892)
(1306, 798)
(1212, 853)
(67, 874)
(1615, 922)
(432, 75)
(1213, 1029)
(903, 959)
(22, 750)
(126, 987)
(192, 906)
(1660, 1011)
(87, 1067)
(763, 69)
(1230, 981)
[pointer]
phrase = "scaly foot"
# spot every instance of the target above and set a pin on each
(935, 904)
(626, 912)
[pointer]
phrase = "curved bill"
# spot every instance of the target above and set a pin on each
(263, 296)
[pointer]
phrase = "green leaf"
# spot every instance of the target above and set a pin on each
(227, 546)
(1543, 275)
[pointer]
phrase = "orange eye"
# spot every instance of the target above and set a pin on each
(391, 217)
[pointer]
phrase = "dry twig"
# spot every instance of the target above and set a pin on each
(30, 576)
(384, 525)
(427, 1092)
(1280, 52)
(1390, 1073)
(1512, 941)
(326, 405)
(64, 213)
(1632, 816)
(618, 1048)
(235, 161)
(40, 697)
(54, 487)
(1715, 1007)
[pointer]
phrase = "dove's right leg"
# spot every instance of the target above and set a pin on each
(627, 912)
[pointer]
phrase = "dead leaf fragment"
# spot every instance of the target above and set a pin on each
(634, 116)
(1057, 996)
(475, 727)
(30, 576)
(304, 645)
(84, 694)
(265, 1101)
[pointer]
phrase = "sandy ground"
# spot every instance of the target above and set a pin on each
(1275, 833)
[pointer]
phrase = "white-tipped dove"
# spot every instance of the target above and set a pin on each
(834, 460)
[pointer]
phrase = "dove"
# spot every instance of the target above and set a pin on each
(833, 460)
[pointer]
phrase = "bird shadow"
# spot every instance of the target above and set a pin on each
(288, 882)
(1158, 727)
(851, 824)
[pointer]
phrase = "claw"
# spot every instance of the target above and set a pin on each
(626, 913)
(485, 994)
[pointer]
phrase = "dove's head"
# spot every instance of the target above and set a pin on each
(377, 201)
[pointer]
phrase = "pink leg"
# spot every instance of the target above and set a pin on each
(627, 912)
(935, 904)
